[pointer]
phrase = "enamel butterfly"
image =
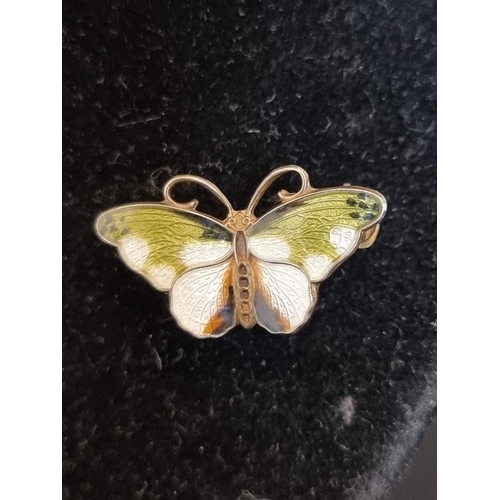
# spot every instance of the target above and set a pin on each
(243, 269)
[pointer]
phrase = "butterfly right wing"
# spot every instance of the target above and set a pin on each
(318, 231)
(283, 296)
(298, 244)
(161, 243)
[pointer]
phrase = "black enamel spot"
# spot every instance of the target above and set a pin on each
(351, 202)
(354, 215)
(212, 231)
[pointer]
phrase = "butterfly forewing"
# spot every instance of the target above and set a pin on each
(161, 243)
(318, 231)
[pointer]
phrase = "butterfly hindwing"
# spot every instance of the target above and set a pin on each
(318, 231)
(202, 300)
(283, 297)
(161, 243)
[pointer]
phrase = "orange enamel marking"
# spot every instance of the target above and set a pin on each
(283, 322)
(217, 321)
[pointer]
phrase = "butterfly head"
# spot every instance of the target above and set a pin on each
(240, 221)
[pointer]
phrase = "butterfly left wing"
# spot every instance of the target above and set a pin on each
(202, 300)
(186, 253)
(318, 231)
(161, 243)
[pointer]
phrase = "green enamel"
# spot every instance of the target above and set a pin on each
(166, 231)
(305, 224)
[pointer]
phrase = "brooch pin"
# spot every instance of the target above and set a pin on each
(243, 269)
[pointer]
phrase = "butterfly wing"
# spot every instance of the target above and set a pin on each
(202, 300)
(161, 243)
(318, 231)
(283, 296)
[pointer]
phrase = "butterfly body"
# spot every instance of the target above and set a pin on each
(243, 282)
(244, 270)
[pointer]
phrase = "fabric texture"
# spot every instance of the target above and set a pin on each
(230, 90)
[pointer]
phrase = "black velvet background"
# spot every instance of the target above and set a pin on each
(229, 90)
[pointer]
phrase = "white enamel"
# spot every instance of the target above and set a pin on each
(317, 266)
(197, 295)
(202, 252)
(163, 276)
(136, 251)
(282, 291)
(268, 247)
(342, 238)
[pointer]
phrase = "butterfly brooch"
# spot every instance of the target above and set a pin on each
(243, 269)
